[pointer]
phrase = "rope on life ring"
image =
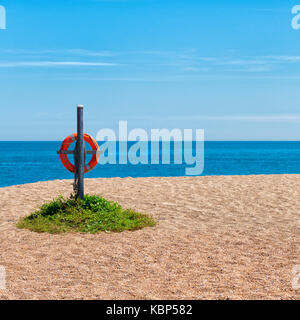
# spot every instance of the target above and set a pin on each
(64, 152)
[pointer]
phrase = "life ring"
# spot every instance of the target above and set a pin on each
(65, 146)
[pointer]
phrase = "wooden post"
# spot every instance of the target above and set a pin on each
(80, 152)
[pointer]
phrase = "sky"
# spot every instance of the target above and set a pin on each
(229, 67)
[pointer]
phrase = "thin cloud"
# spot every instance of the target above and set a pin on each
(187, 62)
(80, 52)
(54, 64)
(251, 69)
(258, 118)
(243, 62)
(283, 58)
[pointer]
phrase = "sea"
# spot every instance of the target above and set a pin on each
(27, 162)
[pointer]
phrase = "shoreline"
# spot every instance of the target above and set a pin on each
(154, 177)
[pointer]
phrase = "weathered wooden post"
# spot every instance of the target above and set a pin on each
(80, 152)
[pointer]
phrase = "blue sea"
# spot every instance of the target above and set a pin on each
(26, 162)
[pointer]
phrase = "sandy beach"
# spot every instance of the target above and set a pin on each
(218, 237)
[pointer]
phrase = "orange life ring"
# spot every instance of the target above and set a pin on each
(65, 146)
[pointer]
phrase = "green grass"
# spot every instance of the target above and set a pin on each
(91, 215)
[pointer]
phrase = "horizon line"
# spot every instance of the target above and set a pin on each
(298, 140)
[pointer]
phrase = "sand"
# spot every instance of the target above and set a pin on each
(225, 237)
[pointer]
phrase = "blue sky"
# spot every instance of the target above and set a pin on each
(230, 67)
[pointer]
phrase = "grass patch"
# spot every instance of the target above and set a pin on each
(91, 215)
